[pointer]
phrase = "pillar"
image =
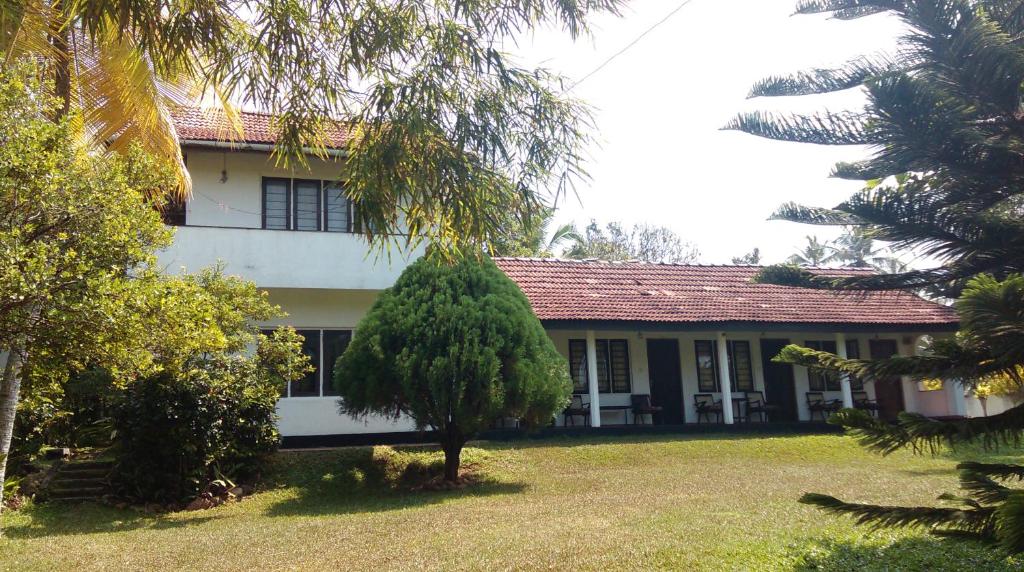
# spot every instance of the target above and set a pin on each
(595, 396)
(724, 380)
(844, 378)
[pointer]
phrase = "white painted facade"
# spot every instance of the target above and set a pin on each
(328, 280)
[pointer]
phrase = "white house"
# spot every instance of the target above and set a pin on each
(667, 331)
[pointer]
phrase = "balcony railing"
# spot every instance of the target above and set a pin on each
(286, 259)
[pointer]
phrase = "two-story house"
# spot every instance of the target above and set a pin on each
(673, 332)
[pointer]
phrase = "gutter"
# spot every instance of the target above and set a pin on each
(258, 147)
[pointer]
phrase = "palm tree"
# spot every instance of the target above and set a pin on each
(814, 253)
(944, 119)
(856, 248)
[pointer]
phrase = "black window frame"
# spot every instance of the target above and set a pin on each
(291, 205)
(318, 216)
(712, 346)
(323, 382)
(611, 383)
(287, 202)
(853, 352)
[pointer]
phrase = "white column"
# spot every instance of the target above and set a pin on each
(595, 397)
(723, 377)
(844, 378)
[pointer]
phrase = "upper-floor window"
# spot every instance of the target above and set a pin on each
(306, 204)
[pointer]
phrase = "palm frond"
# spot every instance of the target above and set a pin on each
(847, 9)
(821, 129)
(971, 521)
(813, 215)
(817, 81)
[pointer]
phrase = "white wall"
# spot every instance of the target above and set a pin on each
(936, 403)
(286, 259)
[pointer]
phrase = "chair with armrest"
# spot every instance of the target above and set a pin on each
(577, 408)
(707, 406)
(861, 401)
(641, 405)
(756, 405)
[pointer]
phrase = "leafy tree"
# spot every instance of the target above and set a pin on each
(855, 247)
(645, 242)
(206, 407)
(71, 223)
(814, 253)
(752, 257)
(453, 347)
(943, 119)
(450, 133)
(532, 238)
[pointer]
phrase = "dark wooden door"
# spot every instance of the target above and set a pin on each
(666, 379)
(779, 385)
(888, 391)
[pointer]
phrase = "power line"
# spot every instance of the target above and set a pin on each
(631, 44)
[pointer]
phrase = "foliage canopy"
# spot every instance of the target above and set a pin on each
(454, 348)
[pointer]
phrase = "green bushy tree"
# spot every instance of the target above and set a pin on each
(943, 121)
(453, 347)
(71, 224)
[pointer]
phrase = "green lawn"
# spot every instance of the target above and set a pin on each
(683, 503)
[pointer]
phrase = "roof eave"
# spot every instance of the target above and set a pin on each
(257, 147)
(748, 326)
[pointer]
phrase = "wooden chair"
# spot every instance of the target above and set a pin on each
(861, 401)
(756, 405)
(641, 405)
(577, 408)
(816, 403)
(707, 406)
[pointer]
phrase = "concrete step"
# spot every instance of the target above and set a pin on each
(69, 482)
(54, 493)
(93, 464)
(75, 473)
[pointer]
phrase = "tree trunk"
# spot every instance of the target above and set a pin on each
(10, 387)
(62, 73)
(452, 460)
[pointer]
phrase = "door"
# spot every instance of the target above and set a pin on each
(779, 385)
(666, 379)
(888, 390)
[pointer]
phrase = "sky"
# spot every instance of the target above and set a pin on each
(660, 156)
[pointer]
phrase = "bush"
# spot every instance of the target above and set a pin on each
(175, 435)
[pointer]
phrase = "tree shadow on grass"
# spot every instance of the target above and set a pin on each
(923, 553)
(59, 519)
(375, 479)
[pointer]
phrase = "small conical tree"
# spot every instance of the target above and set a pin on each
(944, 121)
(454, 347)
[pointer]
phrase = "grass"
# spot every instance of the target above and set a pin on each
(640, 503)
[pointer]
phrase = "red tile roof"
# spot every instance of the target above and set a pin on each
(571, 290)
(194, 124)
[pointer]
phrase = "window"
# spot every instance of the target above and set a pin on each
(612, 366)
(741, 369)
(822, 380)
(323, 347)
(306, 204)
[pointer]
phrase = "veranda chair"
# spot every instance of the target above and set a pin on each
(816, 403)
(861, 401)
(707, 406)
(641, 405)
(756, 405)
(577, 408)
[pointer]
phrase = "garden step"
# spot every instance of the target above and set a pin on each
(68, 482)
(77, 473)
(94, 464)
(79, 493)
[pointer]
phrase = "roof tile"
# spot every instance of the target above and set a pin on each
(194, 124)
(576, 290)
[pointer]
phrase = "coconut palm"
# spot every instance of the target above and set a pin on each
(814, 253)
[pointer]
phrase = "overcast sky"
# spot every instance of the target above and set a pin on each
(661, 157)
